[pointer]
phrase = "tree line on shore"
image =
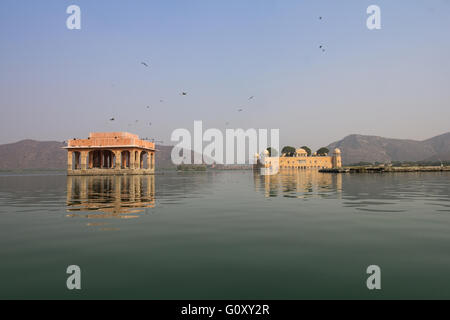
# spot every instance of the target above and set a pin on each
(289, 151)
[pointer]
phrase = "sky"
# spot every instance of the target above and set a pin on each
(57, 84)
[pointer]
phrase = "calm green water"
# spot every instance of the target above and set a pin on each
(225, 235)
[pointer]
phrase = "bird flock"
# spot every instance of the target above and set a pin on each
(182, 93)
(185, 93)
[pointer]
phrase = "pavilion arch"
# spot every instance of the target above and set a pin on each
(143, 163)
(125, 156)
(101, 159)
(76, 160)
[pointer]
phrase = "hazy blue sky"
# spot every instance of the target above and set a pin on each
(57, 83)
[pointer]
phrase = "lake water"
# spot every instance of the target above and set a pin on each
(225, 235)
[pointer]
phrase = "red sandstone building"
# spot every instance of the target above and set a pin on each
(110, 153)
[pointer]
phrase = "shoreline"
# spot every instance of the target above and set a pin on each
(388, 169)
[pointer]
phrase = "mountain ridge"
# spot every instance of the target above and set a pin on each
(368, 148)
(34, 154)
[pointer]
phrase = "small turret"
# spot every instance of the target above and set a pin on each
(337, 160)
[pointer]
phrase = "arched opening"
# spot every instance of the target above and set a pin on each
(125, 155)
(108, 159)
(143, 163)
(76, 160)
(101, 159)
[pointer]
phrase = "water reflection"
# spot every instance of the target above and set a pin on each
(299, 184)
(386, 193)
(397, 192)
(110, 196)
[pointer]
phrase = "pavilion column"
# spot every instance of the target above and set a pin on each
(149, 160)
(91, 160)
(101, 159)
(132, 159)
(69, 160)
(153, 160)
(137, 160)
(83, 155)
(118, 160)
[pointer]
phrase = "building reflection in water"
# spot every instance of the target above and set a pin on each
(299, 184)
(122, 197)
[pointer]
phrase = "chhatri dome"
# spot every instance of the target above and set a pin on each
(337, 151)
(301, 152)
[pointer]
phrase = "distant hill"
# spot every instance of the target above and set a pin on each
(163, 157)
(360, 148)
(441, 145)
(32, 154)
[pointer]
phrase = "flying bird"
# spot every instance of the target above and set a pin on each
(251, 98)
(112, 119)
(184, 93)
(240, 110)
(143, 63)
(148, 107)
(320, 18)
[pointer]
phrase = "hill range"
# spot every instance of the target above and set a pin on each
(360, 148)
(32, 154)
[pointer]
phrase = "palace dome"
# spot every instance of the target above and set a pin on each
(337, 151)
(301, 151)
